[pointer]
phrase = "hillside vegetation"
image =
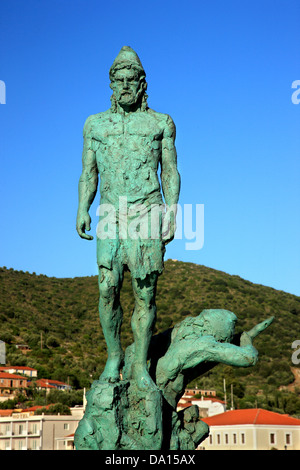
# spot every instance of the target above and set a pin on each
(58, 320)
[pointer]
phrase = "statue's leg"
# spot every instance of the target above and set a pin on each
(111, 315)
(142, 323)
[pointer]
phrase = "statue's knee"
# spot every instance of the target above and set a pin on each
(103, 290)
(106, 288)
(145, 297)
(144, 291)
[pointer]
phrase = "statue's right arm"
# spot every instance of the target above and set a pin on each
(189, 353)
(88, 183)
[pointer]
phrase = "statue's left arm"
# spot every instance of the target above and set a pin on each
(170, 178)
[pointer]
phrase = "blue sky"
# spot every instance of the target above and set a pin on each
(222, 69)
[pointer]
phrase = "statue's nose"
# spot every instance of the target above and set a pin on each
(125, 84)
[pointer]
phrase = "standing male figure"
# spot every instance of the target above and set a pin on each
(125, 146)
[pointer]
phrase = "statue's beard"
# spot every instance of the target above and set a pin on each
(128, 98)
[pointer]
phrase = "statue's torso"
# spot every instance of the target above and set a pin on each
(128, 151)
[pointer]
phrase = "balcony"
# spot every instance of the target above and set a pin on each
(6, 434)
(22, 433)
(32, 433)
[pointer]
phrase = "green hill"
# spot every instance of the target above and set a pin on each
(58, 320)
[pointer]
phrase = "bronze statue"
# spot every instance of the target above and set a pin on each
(125, 146)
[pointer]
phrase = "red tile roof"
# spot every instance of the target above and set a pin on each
(184, 405)
(54, 382)
(6, 375)
(50, 381)
(34, 408)
(186, 399)
(251, 416)
(44, 383)
(16, 368)
(4, 413)
(214, 400)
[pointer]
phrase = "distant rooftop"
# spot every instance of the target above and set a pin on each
(255, 416)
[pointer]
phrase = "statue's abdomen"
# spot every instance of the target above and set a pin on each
(128, 167)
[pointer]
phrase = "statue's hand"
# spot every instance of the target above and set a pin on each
(168, 227)
(168, 233)
(83, 223)
(257, 329)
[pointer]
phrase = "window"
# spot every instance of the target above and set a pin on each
(20, 428)
(288, 439)
(272, 438)
(66, 426)
(234, 438)
(34, 428)
(243, 438)
(210, 439)
(226, 439)
(218, 439)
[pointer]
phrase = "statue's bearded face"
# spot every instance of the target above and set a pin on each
(126, 86)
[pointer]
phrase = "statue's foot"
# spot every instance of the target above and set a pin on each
(110, 378)
(141, 375)
(111, 373)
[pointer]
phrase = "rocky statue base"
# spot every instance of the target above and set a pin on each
(120, 416)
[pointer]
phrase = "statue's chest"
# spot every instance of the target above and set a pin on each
(126, 141)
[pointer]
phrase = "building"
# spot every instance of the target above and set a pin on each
(10, 384)
(208, 404)
(66, 442)
(19, 370)
(49, 384)
(198, 391)
(24, 348)
(2, 352)
(252, 429)
(26, 431)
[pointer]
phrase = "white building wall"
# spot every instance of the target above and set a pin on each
(252, 437)
(44, 432)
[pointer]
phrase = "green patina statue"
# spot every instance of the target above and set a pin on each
(125, 146)
(133, 404)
